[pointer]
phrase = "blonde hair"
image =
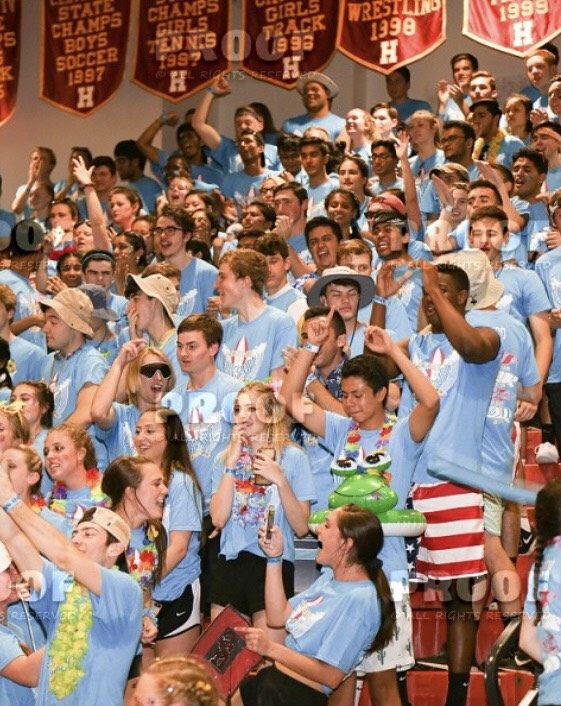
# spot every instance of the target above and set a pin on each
(274, 416)
(19, 426)
(133, 372)
(81, 440)
(183, 681)
(34, 464)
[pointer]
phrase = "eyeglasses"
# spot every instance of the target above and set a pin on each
(450, 138)
(150, 369)
(168, 230)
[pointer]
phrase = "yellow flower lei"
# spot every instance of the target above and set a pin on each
(70, 643)
(494, 147)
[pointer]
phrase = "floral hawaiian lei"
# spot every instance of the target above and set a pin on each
(70, 643)
(352, 443)
(38, 503)
(143, 562)
(494, 147)
(59, 493)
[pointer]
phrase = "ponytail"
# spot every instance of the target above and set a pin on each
(387, 606)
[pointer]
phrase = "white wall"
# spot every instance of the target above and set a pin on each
(127, 114)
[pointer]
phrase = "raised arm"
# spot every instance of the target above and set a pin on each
(44, 538)
(428, 401)
(95, 212)
(474, 344)
(102, 411)
(208, 134)
(19, 202)
(409, 188)
(144, 142)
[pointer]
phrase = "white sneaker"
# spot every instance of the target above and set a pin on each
(546, 453)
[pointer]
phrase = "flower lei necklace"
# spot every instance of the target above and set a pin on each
(70, 643)
(352, 448)
(37, 503)
(494, 147)
(143, 562)
(59, 493)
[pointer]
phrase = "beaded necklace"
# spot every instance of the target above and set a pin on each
(59, 494)
(70, 643)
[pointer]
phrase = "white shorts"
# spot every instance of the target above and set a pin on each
(398, 654)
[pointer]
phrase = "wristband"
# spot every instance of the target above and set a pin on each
(229, 471)
(83, 186)
(447, 208)
(274, 559)
(151, 613)
(310, 347)
(10, 504)
(211, 91)
(382, 301)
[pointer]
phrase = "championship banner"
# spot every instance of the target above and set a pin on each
(514, 26)
(282, 40)
(10, 38)
(181, 46)
(83, 53)
(386, 35)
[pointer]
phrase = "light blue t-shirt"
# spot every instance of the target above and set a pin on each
(465, 391)
(518, 365)
(66, 376)
(243, 187)
(26, 304)
(548, 268)
(149, 190)
(404, 454)
(549, 627)
(119, 439)
(196, 286)
(207, 429)
(334, 621)
(251, 350)
(228, 159)
(250, 504)
(12, 694)
(183, 512)
(113, 639)
(524, 293)
(398, 324)
(283, 298)
(29, 360)
(407, 107)
(332, 123)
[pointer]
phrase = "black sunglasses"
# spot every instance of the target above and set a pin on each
(150, 369)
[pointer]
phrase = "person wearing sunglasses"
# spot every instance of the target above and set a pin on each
(153, 301)
(141, 375)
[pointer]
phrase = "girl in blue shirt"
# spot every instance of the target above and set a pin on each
(160, 437)
(346, 612)
(540, 636)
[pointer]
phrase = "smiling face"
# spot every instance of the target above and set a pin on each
(315, 97)
(150, 437)
(527, 178)
(455, 297)
(63, 459)
(539, 72)
(91, 540)
(340, 209)
(150, 496)
(230, 288)
(322, 244)
(169, 238)
(462, 72)
(554, 97)
(71, 271)
(177, 191)
(355, 121)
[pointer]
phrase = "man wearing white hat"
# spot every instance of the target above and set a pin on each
(93, 615)
(317, 91)
(73, 370)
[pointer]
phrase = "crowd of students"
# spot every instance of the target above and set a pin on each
(185, 357)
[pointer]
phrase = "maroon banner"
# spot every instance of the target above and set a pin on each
(83, 54)
(512, 26)
(386, 35)
(182, 46)
(282, 40)
(10, 38)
